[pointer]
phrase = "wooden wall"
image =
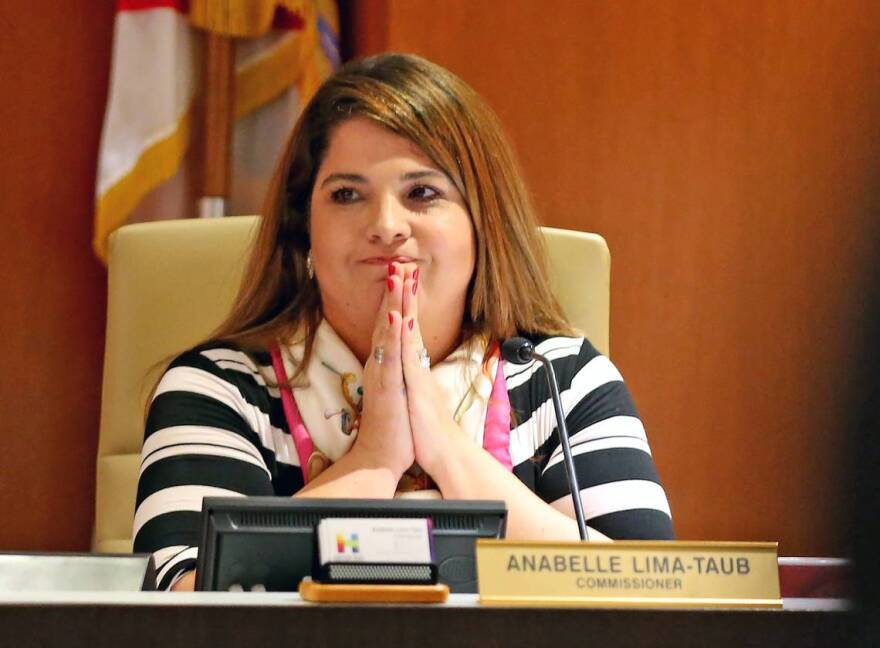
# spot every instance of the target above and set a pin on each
(54, 66)
(729, 154)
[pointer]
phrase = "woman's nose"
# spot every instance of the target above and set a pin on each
(389, 222)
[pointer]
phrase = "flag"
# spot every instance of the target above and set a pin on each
(149, 163)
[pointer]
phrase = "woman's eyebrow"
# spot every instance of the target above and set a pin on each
(348, 177)
(427, 173)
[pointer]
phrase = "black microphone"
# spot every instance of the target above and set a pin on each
(520, 351)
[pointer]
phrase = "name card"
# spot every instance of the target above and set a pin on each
(375, 540)
(629, 574)
(375, 550)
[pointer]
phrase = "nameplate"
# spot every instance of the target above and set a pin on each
(629, 574)
(65, 572)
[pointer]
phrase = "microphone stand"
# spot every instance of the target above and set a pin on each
(521, 351)
(562, 429)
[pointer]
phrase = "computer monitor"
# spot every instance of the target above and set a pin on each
(268, 542)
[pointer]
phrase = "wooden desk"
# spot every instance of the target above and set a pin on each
(269, 620)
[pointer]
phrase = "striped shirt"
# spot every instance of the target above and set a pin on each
(216, 428)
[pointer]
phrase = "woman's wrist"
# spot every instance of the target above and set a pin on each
(447, 458)
(371, 458)
(185, 582)
(357, 474)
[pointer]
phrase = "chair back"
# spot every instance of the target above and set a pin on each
(170, 283)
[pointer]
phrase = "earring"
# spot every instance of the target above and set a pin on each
(309, 267)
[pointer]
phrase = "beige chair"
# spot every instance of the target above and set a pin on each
(171, 283)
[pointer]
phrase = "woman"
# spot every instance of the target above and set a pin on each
(361, 356)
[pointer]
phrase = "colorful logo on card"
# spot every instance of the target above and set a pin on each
(351, 542)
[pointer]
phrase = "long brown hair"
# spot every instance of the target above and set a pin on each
(436, 110)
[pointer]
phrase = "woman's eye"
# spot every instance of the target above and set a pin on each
(423, 193)
(344, 195)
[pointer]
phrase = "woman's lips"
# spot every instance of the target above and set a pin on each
(387, 260)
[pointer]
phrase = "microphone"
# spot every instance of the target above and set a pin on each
(520, 351)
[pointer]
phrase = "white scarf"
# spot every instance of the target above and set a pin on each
(332, 416)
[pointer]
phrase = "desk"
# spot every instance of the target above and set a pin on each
(270, 620)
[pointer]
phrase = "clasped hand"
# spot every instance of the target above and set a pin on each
(404, 418)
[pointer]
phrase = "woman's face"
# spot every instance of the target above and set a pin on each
(378, 198)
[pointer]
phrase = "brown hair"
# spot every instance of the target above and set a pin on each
(436, 110)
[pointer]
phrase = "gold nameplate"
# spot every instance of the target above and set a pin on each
(629, 574)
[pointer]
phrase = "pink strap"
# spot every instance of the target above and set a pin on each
(496, 434)
(301, 438)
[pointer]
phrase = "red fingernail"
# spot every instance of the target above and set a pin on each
(390, 318)
(391, 268)
(416, 275)
(410, 325)
(415, 287)
(390, 284)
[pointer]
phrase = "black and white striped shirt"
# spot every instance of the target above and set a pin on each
(216, 428)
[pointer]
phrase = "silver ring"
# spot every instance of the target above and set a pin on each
(424, 358)
(378, 354)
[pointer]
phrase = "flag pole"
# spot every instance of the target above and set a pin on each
(219, 118)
